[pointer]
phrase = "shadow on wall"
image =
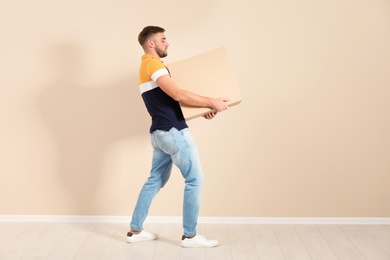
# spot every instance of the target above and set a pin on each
(84, 120)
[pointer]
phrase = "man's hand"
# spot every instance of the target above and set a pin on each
(219, 104)
(210, 115)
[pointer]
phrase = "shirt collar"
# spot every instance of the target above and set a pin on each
(150, 56)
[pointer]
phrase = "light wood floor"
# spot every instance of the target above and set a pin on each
(108, 241)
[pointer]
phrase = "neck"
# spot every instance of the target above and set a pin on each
(152, 52)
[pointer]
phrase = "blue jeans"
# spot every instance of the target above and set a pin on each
(179, 148)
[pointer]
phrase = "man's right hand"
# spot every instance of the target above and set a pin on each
(219, 104)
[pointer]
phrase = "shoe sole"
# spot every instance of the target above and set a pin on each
(199, 246)
(141, 240)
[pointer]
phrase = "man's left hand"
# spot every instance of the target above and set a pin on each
(210, 115)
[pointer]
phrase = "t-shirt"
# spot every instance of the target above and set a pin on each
(164, 110)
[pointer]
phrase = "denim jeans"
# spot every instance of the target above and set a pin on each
(172, 147)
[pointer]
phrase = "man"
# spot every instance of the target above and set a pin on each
(171, 140)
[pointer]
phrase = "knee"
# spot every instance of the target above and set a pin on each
(153, 187)
(196, 182)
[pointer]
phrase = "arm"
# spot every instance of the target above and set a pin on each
(187, 98)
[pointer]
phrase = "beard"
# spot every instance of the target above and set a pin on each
(161, 53)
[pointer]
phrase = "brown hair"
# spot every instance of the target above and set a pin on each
(147, 32)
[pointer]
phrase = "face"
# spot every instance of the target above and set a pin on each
(160, 45)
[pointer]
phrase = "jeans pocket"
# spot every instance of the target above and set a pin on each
(165, 141)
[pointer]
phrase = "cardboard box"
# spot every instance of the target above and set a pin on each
(208, 74)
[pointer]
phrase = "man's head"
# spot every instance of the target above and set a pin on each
(153, 40)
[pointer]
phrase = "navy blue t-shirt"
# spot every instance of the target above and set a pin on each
(164, 110)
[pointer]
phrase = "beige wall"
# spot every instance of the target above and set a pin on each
(310, 139)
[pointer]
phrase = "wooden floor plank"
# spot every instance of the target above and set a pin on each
(380, 234)
(339, 242)
(366, 245)
(53, 237)
(25, 240)
(117, 247)
(315, 243)
(290, 242)
(266, 243)
(96, 242)
(386, 227)
(241, 242)
(73, 241)
(9, 232)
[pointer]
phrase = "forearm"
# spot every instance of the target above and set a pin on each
(187, 98)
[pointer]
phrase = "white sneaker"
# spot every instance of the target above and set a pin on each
(198, 241)
(142, 236)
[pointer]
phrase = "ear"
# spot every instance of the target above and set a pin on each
(150, 43)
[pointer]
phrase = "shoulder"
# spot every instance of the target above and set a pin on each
(152, 68)
(150, 62)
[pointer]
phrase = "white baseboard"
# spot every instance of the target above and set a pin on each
(202, 220)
